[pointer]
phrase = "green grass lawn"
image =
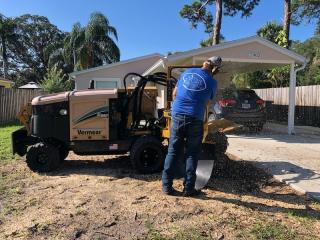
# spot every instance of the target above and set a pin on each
(5, 142)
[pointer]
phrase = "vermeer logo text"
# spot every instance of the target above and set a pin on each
(89, 132)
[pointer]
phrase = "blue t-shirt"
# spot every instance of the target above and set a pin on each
(194, 89)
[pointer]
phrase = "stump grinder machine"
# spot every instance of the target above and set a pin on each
(108, 122)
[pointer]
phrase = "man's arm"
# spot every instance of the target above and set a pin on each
(214, 90)
(212, 99)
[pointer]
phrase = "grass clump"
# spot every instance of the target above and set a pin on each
(5, 142)
(271, 231)
(176, 233)
(153, 234)
(81, 211)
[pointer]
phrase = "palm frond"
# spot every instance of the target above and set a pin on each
(113, 31)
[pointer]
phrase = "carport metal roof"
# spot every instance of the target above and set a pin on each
(239, 56)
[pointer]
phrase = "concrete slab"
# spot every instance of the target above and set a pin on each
(294, 160)
(299, 130)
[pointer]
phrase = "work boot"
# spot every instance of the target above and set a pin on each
(191, 193)
(171, 192)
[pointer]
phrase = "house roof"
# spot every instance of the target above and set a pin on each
(239, 42)
(30, 85)
(74, 74)
(176, 58)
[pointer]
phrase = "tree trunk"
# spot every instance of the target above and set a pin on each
(91, 62)
(74, 59)
(217, 24)
(90, 56)
(4, 57)
(286, 19)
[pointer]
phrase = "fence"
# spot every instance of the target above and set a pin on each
(307, 111)
(277, 99)
(11, 101)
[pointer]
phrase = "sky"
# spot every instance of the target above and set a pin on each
(151, 26)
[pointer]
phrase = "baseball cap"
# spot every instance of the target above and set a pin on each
(215, 61)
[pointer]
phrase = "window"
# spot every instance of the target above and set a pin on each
(106, 83)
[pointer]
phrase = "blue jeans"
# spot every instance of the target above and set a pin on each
(185, 134)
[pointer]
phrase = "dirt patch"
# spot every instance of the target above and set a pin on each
(101, 197)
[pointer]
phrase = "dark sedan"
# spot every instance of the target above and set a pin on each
(242, 106)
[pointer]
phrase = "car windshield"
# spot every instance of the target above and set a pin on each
(245, 94)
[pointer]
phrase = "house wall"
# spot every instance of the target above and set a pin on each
(82, 81)
(254, 51)
(241, 58)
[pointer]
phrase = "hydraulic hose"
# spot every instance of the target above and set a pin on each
(137, 94)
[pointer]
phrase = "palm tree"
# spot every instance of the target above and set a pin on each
(98, 46)
(89, 46)
(72, 42)
(270, 31)
(7, 36)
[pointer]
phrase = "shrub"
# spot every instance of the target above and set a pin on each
(56, 81)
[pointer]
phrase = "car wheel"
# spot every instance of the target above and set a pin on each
(147, 155)
(259, 127)
(252, 129)
(43, 157)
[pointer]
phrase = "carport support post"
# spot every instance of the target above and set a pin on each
(292, 99)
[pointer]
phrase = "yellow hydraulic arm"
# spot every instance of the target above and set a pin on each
(25, 115)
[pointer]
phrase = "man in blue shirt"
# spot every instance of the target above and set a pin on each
(192, 93)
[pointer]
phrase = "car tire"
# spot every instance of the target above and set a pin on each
(259, 127)
(43, 157)
(252, 129)
(147, 155)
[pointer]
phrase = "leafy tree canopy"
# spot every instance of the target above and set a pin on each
(308, 10)
(311, 50)
(8, 37)
(88, 46)
(231, 7)
(198, 11)
(30, 45)
(270, 31)
(33, 34)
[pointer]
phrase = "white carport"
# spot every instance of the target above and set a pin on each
(239, 56)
